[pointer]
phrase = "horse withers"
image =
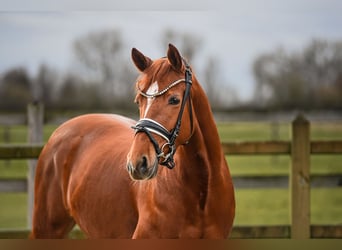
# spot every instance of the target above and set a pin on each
(164, 176)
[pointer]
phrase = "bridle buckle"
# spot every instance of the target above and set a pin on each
(168, 155)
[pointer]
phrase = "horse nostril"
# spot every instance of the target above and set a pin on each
(143, 165)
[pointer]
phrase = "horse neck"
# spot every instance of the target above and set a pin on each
(205, 128)
(201, 161)
(204, 148)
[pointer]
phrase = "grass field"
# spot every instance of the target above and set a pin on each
(254, 206)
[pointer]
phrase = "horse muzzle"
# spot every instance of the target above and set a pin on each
(141, 169)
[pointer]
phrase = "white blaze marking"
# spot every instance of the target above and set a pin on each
(151, 90)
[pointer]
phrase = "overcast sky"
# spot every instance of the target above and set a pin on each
(33, 32)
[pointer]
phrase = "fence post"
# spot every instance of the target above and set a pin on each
(35, 118)
(300, 179)
(7, 140)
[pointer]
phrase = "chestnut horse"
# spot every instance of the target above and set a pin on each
(165, 178)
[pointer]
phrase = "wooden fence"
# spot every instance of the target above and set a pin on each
(299, 182)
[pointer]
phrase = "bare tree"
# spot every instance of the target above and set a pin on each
(100, 56)
(307, 79)
(220, 94)
(44, 86)
(188, 43)
(15, 90)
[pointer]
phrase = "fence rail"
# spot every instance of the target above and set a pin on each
(29, 151)
(19, 151)
(299, 181)
(26, 151)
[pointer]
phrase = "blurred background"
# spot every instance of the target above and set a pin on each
(261, 63)
(251, 55)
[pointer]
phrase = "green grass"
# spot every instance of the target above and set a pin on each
(256, 131)
(280, 165)
(254, 206)
(272, 206)
(13, 168)
(13, 210)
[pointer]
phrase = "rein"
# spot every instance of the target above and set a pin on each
(149, 126)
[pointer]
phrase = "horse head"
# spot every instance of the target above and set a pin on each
(163, 97)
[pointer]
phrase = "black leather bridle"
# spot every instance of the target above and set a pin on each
(149, 126)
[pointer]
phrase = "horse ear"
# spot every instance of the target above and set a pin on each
(174, 57)
(141, 61)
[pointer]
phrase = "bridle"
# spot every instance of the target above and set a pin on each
(149, 126)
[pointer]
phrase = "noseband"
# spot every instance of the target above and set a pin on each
(149, 126)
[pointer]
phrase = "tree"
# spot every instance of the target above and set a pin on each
(44, 86)
(219, 93)
(188, 43)
(15, 91)
(69, 93)
(100, 57)
(307, 79)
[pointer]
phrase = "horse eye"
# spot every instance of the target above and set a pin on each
(173, 100)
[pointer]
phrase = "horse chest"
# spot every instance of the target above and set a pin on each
(169, 224)
(170, 215)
